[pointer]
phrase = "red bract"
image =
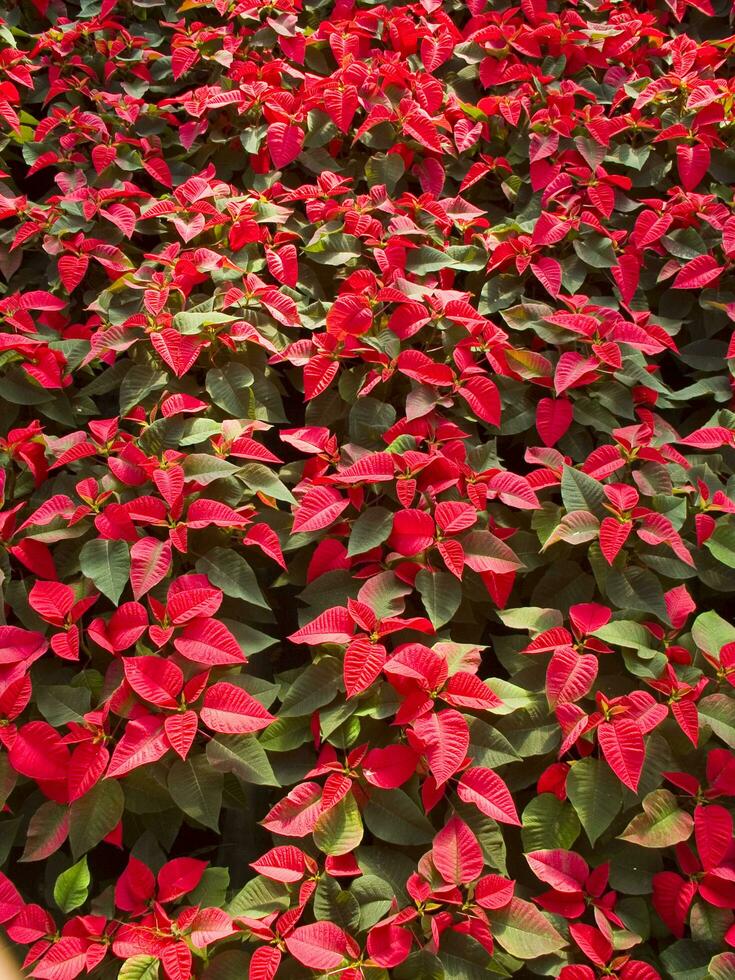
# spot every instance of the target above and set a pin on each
(367, 511)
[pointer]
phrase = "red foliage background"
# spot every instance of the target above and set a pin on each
(368, 475)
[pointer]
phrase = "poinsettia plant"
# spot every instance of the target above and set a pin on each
(367, 489)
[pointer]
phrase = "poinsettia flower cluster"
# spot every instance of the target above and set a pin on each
(366, 489)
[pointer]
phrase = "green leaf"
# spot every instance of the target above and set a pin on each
(384, 168)
(229, 389)
(374, 896)
(72, 886)
(60, 703)
(229, 571)
(339, 829)
(140, 967)
(313, 688)
(196, 789)
(394, 818)
(107, 564)
(718, 711)
(662, 823)
(711, 632)
(95, 815)
(595, 793)
(260, 897)
(205, 468)
(549, 823)
(524, 931)
(722, 966)
(534, 618)
(462, 957)
(441, 594)
(581, 492)
(242, 755)
(138, 383)
(370, 529)
(488, 746)
(335, 904)
(258, 477)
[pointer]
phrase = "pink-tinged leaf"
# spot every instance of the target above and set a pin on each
(613, 535)
(209, 642)
(623, 748)
(713, 827)
(591, 941)
(465, 690)
(283, 264)
(565, 871)
(390, 767)
(18, 645)
(179, 351)
(452, 554)
(350, 314)
(264, 963)
(371, 468)
(672, 897)
(709, 438)
(333, 626)
(453, 516)
(627, 275)
(52, 601)
(11, 902)
(456, 853)
(574, 371)
(318, 375)
(65, 960)
(692, 163)
(181, 730)
(486, 553)
(144, 742)
(482, 396)
(72, 269)
(444, 739)
(420, 367)
(178, 877)
(650, 228)
(206, 513)
(286, 863)
(191, 597)
(150, 560)
(389, 944)
(363, 663)
(231, 710)
(586, 617)
(698, 273)
(319, 507)
(413, 532)
(514, 490)
(569, 676)
(210, 925)
(285, 141)
(135, 886)
(487, 791)
(549, 640)
(155, 679)
(86, 766)
(548, 273)
(39, 752)
(494, 891)
(321, 946)
(553, 418)
(296, 814)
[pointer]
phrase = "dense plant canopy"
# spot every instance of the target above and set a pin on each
(368, 472)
